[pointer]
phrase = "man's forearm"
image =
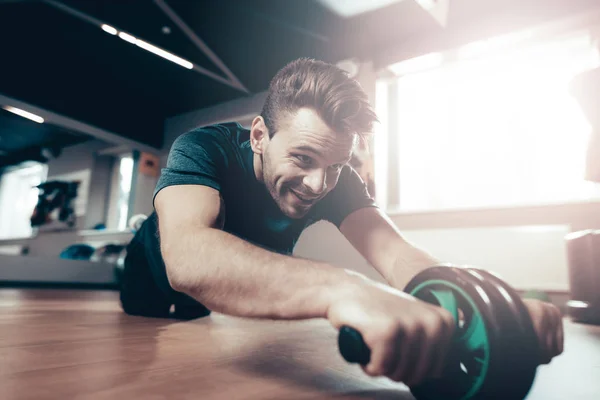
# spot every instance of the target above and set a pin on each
(409, 261)
(232, 276)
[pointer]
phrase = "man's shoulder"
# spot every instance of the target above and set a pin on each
(223, 134)
(349, 175)
(214, 148)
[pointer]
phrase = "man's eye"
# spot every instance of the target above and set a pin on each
(304, 159)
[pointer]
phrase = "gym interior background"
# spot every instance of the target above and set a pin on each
(486, 154)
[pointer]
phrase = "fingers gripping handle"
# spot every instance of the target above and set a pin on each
(352, 346)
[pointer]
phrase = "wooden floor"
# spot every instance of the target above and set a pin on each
(68, 344)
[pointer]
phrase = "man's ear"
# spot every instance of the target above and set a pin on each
(259, 135)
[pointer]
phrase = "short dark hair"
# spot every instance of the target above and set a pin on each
(339, 100)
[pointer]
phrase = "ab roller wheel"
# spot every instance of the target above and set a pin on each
(494, 350)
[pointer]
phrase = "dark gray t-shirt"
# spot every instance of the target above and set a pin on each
(220, 156)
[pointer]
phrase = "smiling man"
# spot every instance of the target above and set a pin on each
(232, 202)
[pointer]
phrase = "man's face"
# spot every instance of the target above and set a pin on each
(302, 162)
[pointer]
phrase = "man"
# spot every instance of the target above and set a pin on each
(232, 202)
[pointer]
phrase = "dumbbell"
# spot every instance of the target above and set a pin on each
(494, 353)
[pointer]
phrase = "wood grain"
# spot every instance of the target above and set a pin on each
(69, 344)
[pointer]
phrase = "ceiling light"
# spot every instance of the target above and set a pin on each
(153, 49)
(127, 37)
(24, 114)
(109, 29)
(164, 54)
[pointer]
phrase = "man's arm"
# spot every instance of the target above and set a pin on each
(230, 275)
(378, 240)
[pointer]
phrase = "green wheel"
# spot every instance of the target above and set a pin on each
(473, 349)
(494, 351)
(518, 341)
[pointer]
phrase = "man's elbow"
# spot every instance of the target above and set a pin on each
(173, 267)
(175, 279)
(181, 258)
(182, 275)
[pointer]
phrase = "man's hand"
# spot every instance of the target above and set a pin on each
(409, 339)
(548, 324)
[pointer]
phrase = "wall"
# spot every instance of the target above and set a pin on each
(99, 192)
(80, 162)
(527, 257)
(142, 194)
(84, 159)
(323, 241)
(578, 216)
(75, 161)
(77, 157)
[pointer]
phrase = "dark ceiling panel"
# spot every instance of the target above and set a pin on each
(57, 61)
(75, 73)
(145, 20)
(256, 40)
(74, 68)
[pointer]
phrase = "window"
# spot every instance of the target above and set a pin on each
(118, 211)
(491, 124)
(18, 197)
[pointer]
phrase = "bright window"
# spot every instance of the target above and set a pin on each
(18, 197)
(125, 176)
(120, 192)
(491, 124)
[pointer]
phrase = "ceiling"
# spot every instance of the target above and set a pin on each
(22, 139)
(55, 55)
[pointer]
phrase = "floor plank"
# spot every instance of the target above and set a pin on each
(70, 344)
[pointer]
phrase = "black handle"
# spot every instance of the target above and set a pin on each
(353, 347)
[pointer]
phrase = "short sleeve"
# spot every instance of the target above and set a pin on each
(198, 157)
(350, 194)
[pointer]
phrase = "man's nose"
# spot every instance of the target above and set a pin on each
(316, 181)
